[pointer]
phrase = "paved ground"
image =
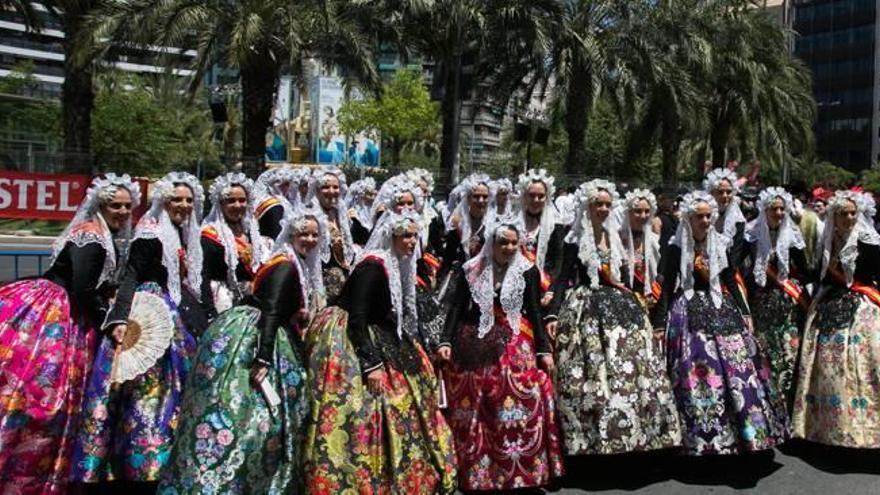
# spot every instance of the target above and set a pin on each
(799, 468)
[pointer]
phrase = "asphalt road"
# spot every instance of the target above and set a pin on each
(798, 468)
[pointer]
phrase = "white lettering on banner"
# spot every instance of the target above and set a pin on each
(5, 196)
(64, 197)
(23, 185)
(44, 195)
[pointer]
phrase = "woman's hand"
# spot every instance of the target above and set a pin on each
(546, 299)
(444, 354)
(545, 361)
(118, 332)
(550, 327)
(259, 371)
(750, 325)
(376, 381)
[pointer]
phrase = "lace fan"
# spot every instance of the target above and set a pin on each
(150, 329)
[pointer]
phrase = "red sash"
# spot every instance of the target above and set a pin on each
(868, 291)
(741, 284)
(546, 281)
(525, 327)
(243, 249)
(789, 287)
(264, 206)
(656, 288)
(266, 268)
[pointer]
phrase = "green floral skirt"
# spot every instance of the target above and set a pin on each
(229, 441)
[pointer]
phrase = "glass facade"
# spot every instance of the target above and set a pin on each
(836, 38)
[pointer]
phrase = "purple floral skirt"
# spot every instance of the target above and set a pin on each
(726, 396)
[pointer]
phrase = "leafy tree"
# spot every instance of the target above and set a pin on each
(402, 113)
(21, 112)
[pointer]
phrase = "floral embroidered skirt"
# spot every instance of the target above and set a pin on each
(723, 385)
(503, 416)
(614, 393)
(777, 319)
(838, 391)
(229, 441)
(357, 442)
(128, 429)
(45, 358)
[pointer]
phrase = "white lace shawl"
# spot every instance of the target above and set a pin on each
(581, 232)
(651, 242)
(862, 232)
(260, 252)
(317, 180)
(480, 274)
(355, 201)
(88, 211)
(716, 248)
(463, 209)
(391, 191)
(156, 224)
(788, 236)
(496, 187)
(400, 270)
(548, 219)
(268, 184)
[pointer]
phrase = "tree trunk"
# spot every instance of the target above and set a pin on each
(396, 146)
(450, 110)
(259, 81)
(718, 143)
(670, 143)
(577, 109)
(77, 98)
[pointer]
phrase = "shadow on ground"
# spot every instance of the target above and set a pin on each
(834, 460)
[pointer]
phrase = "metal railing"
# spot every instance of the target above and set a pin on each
(18, 268)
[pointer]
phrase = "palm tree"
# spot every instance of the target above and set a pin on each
(260, 38)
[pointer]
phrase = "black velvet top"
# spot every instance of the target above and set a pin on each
(270, 221)
(278, 294)
(359, 234)
(214, 263)
(367, 299)
(867, 270)
(553, 259)
(798, 268)
(464, 311)
(77, 270)
(145, 265)
(670, 279)
(453, 251)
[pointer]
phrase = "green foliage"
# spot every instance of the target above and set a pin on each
(144, 130)
(403, 112)
(21, 108)
(870, 180)
(820, 173)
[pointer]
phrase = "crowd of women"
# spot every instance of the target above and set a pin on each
(335, 338)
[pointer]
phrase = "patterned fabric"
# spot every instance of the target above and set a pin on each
(726, 396)
(614, 394)
(838, 392)
(44, 361)
(128, 429)
(432, 319)
(359, 443)
(334, 279)
(777, 319)
(503, 418)
(228, 440)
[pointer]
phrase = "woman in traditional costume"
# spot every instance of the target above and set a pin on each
(724, 186)
(361, 197)
(465, 225)
(776, 274)
(231, 439)
(48, 334)
(613, 391)
(375, 424)
(501, 400)
(328, 190)
(837, 401)
(501, 190)
(542, 244)
(232, 246)
(128, 428)
(275, 194)
(723, 384)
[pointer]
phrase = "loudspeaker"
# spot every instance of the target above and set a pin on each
(542, 135)
(521, 132)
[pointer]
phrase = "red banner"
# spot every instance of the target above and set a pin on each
(41, 196)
